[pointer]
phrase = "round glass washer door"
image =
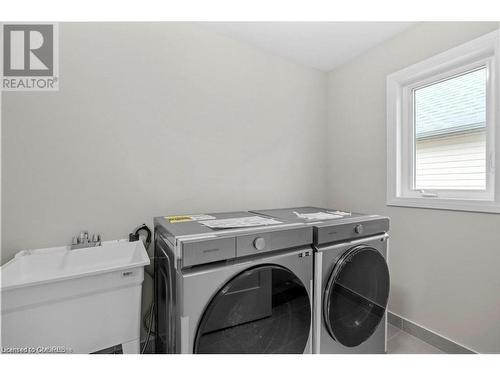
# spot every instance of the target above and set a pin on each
(265, 309)
(355, 297)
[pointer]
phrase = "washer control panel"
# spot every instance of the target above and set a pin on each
(259, 243)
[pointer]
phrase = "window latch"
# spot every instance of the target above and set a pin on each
(491, 163)
(427, 194)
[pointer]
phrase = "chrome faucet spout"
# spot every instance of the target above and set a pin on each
(84, 240)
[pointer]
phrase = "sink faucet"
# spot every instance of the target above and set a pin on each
(83, 240)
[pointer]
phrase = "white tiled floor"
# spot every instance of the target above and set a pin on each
(400, 342)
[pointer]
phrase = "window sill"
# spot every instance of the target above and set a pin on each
(447, 204)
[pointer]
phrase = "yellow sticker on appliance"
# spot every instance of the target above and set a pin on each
(178, 219)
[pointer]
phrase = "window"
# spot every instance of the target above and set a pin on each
(450, 133)
(441, 120)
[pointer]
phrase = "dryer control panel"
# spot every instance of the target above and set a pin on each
(347, 229)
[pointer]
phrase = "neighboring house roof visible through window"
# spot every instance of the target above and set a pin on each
(454, 105)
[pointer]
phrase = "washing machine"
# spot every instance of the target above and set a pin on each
(351, 286)
(243, 286)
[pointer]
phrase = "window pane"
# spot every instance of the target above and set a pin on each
(450, 133)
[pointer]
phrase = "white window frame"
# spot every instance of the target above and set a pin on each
(483, 51)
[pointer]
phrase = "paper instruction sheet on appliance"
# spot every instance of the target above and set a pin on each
(239, 222)
(318, 215)
(342, 213)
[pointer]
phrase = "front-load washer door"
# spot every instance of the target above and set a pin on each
(355, 297)
(264, 309)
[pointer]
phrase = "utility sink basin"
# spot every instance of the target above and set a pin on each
(80, 301)
(30, 267)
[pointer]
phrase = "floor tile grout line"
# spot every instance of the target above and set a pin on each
(393, 336)
(399, 330)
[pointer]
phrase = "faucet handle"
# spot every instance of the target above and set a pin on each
(83, 237)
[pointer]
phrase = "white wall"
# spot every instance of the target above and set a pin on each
(444, 264)
(154, 119)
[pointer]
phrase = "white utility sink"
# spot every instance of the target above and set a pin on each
(80, 301)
